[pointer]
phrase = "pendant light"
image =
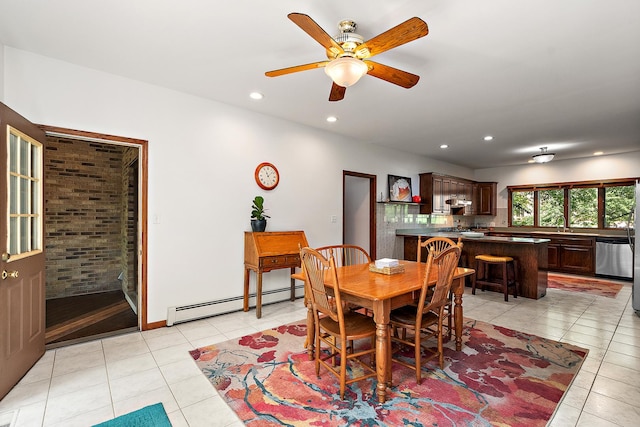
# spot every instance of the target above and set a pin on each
(544, 156)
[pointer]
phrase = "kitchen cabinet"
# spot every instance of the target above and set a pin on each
(470, 193)
(566, 254)
(486, 199)
(573, 255)
(440, 188)
(436, 189)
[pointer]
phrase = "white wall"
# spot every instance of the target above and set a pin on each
(1, 72)
(587, 169)
(202, 157)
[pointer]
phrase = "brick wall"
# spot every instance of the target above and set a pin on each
(83, 228)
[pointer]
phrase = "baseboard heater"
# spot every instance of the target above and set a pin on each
(187, 313)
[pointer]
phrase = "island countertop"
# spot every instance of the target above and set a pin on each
(530, 255)
(417, 232)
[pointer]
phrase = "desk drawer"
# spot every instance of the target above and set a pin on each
(280, 261)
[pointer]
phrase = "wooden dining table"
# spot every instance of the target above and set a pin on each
(382, 293)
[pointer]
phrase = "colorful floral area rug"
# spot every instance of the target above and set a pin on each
(501, 377)
(588, 285)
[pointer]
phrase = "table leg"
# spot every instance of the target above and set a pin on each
(245, 305)
(293, 285)
(457, 311)
(259, 295)
(381, 310)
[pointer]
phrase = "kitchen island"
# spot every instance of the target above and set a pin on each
(530, 253)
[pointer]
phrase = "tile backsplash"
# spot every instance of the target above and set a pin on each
(393, 216)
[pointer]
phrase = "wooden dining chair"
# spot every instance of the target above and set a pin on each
(337, 329)
(425, 320)
(438, 244)
(346, 254)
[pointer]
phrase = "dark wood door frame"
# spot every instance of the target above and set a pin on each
(142, 212)
(372, 207)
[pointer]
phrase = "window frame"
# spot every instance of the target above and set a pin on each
(600, 185)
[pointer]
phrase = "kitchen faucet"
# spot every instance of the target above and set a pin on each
(564, 225)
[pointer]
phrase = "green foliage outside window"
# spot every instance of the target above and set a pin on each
(583, 207)
(551, 208)
(522, 208)
(620, 202)
(584, 204)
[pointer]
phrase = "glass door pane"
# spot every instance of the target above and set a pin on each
(24, 194)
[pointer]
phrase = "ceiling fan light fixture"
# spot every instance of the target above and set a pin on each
(544, 156)
(346, 71)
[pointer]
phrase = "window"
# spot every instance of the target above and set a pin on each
(583, 207)
(591, 204)
(619, 205)
(25, 195)
(522, 208)
(551, 208)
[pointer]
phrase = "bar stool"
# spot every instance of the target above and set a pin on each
(506, 278)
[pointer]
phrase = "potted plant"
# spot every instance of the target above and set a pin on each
(258, 217)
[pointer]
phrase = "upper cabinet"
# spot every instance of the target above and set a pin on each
(485, 200)
(436, 189)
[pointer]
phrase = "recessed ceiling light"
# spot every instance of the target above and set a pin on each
(598, 153)
(444, 146)
(488, 138)
(256, 95)
(531, 161)
(332, 119)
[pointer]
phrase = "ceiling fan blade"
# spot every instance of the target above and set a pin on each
(337, 93)
(289, 70)
(408, 31)
(392, 75)
(310, 27)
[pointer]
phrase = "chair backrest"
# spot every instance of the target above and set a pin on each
(346, 254)
(437, 244)
(318, 269)
(445, 263)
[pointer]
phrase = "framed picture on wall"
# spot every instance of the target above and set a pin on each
(399, 188)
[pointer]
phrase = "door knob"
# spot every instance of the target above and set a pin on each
(12, 274)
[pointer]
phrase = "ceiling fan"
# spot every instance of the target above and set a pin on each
(348, 54)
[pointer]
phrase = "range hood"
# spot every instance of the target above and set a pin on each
(458, 203)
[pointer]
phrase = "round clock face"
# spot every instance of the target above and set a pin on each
(267, 176)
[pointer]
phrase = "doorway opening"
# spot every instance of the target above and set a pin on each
(359, 210)
(94, 252)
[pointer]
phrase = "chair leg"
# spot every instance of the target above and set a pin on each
(473, 279)
(440, 349)
(514, 266)
(317, 351)
(418, 356)
(505, 281)
(343, 369)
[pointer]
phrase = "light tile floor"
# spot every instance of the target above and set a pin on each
(87, 383)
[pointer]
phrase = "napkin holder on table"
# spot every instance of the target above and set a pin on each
(386, 266)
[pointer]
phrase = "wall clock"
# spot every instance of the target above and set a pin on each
(267, 176)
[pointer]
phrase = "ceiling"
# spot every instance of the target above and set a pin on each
(532, 73)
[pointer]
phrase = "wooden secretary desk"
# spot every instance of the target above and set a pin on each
(266, 251)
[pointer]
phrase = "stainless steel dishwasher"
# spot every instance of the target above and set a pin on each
(614, 257)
